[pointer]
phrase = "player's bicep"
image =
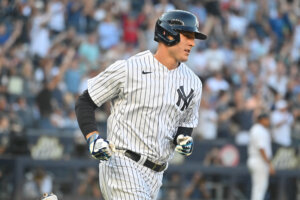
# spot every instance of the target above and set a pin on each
(108, 83)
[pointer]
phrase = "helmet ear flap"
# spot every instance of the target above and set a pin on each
(162, 31)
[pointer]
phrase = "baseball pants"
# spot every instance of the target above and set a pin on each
(124, 179)
(260, 178)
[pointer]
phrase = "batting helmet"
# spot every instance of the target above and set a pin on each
(172, 22)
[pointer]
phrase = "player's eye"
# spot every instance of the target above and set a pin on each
(188, 35)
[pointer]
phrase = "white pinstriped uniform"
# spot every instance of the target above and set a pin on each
(149, 102)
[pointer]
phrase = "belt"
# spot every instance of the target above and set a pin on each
(136, 157)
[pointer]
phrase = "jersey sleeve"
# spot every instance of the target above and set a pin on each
(191, 116)
(108, 84)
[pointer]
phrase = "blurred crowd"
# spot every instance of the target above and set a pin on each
(250, 62)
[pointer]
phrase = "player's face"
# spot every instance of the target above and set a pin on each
(181, 51)
(266, 122)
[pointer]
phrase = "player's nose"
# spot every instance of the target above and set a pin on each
(192, 42)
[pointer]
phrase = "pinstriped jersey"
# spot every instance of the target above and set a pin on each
(148, 103)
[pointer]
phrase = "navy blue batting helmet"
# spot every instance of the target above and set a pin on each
(172, 22)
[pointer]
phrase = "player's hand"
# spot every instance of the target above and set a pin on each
(184, 145)
(271, 169)
(99, 148)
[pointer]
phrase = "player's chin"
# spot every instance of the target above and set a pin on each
(184, 58)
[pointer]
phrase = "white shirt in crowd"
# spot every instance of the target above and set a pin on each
(40, 37)
(215, 59)
(207, 126)
(282, 133)
(57, 20)
(215, 85)
(237, 24)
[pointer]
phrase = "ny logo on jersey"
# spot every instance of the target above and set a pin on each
(186, 99)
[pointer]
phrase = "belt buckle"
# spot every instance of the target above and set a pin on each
(158, 168)
(154, 167)
(162, 167)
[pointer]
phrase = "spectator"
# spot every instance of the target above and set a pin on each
(239, 61)
(296, 113)
(57, 118)
(225, 112)
(15, 84)
(38, 182)
(243, 118)
(237, 23)
(213, 22)
(109, 33)
(280, 24)
(198, 9)
(74, 15)
(57, 20)
(89, 186)
(295, 54)
(197, 189)
(24, 111)
(174, 191)
(39, 33)
(4, 74)
(217, 83)
(279, 80)
(71, 121)
(131, 24)
(163, 6)
(250, 9)
(198, 62)
(214, 57)
(4, 107)
(4, 34)
(18, 143)
(89, 54)
(73, 76)
(45, 97)
(282, 120)
(212, 157)
(29, 85)
(257, 46)
(208, 122)
(4, 133)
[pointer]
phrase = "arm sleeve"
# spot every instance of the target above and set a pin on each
(85, 113)
(191, 117)
(108, 84)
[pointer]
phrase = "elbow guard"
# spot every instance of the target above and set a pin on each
(85, 113)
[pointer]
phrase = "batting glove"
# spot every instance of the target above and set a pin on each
(184, 145)
(99, 148)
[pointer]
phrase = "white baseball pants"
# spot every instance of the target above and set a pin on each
(259, 171)
(124, 179)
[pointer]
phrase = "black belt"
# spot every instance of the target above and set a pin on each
(136, 157)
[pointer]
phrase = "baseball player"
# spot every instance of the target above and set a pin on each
(260, 153)
(154, 107)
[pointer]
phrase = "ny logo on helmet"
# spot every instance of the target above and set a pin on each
(186, 99)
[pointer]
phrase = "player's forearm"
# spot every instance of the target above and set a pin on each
(263, 154)
(85, 113)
